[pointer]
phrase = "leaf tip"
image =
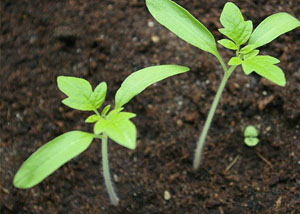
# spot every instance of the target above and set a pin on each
(132, 146)
(283, 83)
(20, 182)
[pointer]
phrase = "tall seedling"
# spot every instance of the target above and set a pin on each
(240, 38)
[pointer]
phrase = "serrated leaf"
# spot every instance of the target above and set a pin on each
(80, 93)
(247, 67)
(74, 86)
(228, 44)
(138, 81)
(231, 15)
(183, 24)
(251, 141)
(240, 33)
(99, 127)
(235, 27)
(247, 49)
(123, 132)
(92, 119)
(266, 59)
(235, 61)
(272, 27)
(264, 66)
(50, 157)
(119, 128)
(251, 54)
(98, 95)
(115, 111)
(120, 115)
(105, 110)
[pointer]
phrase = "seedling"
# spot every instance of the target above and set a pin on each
(250, 136)
(239, 32)
(114, 124)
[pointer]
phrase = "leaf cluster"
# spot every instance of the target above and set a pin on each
(114, 123)
(238, 33)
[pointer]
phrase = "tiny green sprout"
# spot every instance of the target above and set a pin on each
(241, 38)
(250, 136)
(110, 123)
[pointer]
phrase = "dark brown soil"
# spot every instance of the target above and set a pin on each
(108, 40)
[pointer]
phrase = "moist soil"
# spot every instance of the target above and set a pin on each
(107, 41)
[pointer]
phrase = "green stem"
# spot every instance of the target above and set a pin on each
(112, 195)
(222, 63)
(201, 141)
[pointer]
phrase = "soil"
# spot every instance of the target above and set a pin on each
(108, 40)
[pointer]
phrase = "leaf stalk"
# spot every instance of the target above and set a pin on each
(201, 140)
(107, 180)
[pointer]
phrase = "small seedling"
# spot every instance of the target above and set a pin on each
(114, 124)
(250, 136)
(239, 32)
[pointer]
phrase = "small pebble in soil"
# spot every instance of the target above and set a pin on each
(19, 116)
(150, 24)
(167, 195)
(116, 178)
(179, 123)
(155, 39)
(268, 128)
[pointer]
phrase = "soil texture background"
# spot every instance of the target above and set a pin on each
(108, 40)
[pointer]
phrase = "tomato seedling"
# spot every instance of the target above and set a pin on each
(114, 124)
(251, 136)
(239, 32)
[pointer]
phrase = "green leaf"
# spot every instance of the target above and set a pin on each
(183, 24)
(98, 96)
(264, 66)
(251, 54)
(251, 141)
(231, 15)
(105, 110)
(235, 27)
(240, 33)
(92, 119)
(235, 61)
(50, 157)
(228, 44)
(80, 93)
(247, 49)
(119, 128)
(120, 115)
(115, 111)
(272, 27)
(138, 81)
(250, 131)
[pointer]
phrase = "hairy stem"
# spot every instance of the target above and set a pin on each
(112, 195)
(201, 141)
